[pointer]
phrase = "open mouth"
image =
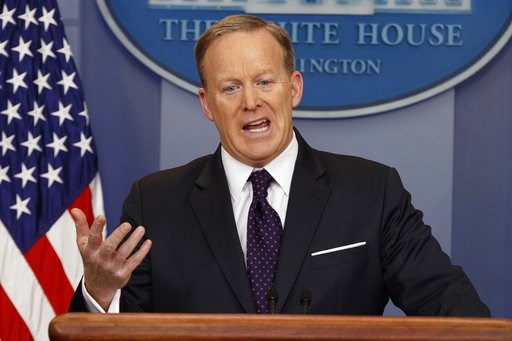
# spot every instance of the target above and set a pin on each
(257, 126)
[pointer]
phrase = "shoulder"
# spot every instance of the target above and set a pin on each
(356, 174)
(175, 177)
(336, 165)
(344, 165)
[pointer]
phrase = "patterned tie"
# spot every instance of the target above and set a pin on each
(264, 232)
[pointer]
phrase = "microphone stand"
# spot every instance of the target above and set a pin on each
(305, 301)
(272, 297)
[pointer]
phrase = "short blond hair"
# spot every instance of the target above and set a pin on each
(242, 23)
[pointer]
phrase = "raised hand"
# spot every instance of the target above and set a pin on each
(107, 266)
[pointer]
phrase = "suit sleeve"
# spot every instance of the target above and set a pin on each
(77, 304)
(136, 296)
(419, 276)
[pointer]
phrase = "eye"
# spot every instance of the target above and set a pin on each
(265, 84)
(230, 89)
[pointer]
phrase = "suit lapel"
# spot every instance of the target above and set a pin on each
(211, 203)
(308, 195)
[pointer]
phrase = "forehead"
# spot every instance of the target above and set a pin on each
(244, 50)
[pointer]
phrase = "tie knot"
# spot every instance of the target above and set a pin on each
(260, 180)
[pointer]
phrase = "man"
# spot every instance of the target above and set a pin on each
(266, 212)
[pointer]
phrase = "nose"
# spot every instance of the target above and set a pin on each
(251, 98)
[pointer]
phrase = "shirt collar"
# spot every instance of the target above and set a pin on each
(281, 169)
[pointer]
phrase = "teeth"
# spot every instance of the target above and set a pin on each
(257, 123)
(259, 130)
(258, 126)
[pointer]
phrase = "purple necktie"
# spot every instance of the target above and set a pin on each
(264, 232)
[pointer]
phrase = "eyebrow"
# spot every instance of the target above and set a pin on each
(257, 75)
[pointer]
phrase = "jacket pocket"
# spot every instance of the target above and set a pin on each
(347, 255)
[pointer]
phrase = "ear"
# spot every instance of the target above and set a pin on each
(204, 103)
(297, 85)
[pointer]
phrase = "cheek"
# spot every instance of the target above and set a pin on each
(284, 106)
(225, 120)
(227, 107)
(218, 109)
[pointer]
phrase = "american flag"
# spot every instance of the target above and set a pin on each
(48, 165)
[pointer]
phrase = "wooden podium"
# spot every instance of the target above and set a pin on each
(148, 326)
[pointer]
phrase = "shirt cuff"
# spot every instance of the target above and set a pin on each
(93, 306)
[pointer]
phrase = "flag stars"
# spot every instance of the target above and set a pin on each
(65, 50)
(37, 113)
(26, 175)
(84, 144)
(23, 48)
(67, 81)
(11, 112)
(46, 50)
(47, 18)
(6, 143)
(28, 16)
(63, 113)
(17, 80)
(42, 82)
(21, 207)
(6, 16)
(52, 175)
(3, 174)
(40, 120)
(85, 114)
(32, 143)
(58, 144)
(2, 48)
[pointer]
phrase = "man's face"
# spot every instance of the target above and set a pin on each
(250, 95)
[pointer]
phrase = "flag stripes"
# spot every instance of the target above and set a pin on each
(50, 274)
(47, 292)
(12, 326)
(22, 289)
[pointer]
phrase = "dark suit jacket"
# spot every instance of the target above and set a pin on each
(196, 262)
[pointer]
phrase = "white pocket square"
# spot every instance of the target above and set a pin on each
(339, 248)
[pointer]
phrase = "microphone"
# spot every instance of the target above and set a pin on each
(272, 297)
(305, 301)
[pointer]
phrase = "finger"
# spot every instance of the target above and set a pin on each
(138, 256)
(82, 228)
(115, 238)
(129, 245)
(96, 232)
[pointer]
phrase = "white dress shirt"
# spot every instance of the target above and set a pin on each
(240, 189)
